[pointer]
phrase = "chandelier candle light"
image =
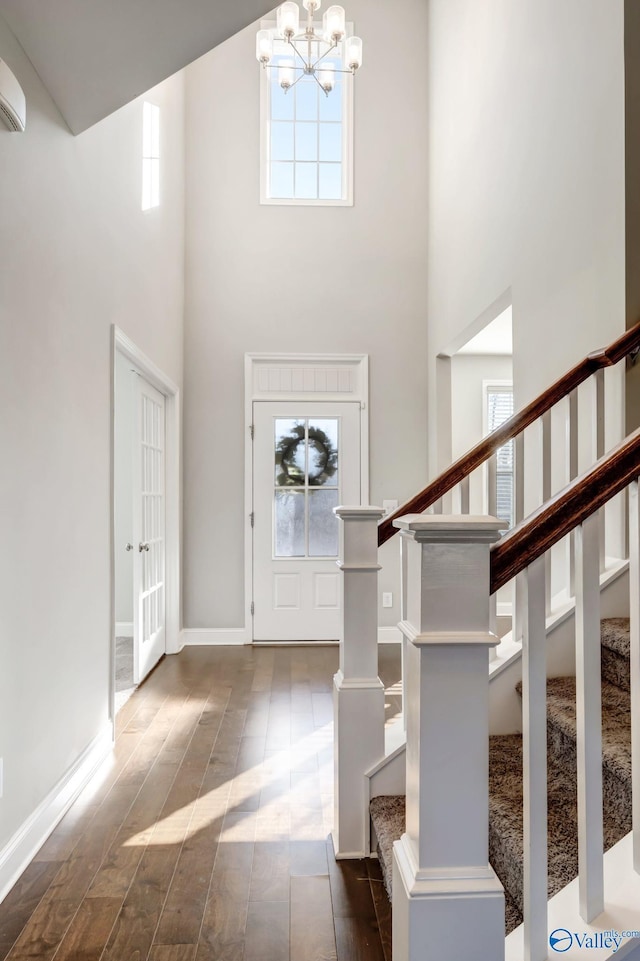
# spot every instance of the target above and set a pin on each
(332, 36)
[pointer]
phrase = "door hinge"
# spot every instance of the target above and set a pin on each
(252, 431)
(253, 608)
(252, 518)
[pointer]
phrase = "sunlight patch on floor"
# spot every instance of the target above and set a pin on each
(311, 756)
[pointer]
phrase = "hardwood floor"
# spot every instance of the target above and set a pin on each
(205, 836)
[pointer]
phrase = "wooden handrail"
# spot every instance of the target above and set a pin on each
(511, 428)
(551, 522)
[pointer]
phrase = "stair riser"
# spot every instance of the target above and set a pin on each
(615, 669)
(616, 793)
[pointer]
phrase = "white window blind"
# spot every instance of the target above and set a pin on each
(499, 410)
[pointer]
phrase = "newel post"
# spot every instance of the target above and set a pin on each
(448, 903)
(358, 693)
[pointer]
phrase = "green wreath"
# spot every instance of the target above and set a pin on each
(288, 471)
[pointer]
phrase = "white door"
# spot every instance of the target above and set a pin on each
(148, 531)
(306, 461)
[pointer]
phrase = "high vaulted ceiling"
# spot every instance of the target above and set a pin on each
(96, 55)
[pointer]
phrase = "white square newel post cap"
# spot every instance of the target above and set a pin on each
(439, 528)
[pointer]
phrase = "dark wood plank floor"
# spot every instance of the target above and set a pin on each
(205, 836)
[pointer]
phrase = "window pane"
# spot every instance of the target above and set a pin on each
(282, 141)
(331, 141)
(323, 452)
(155, 182)
(330, 181)
(323, 523)
(307, 100)
(306, 141)
(281, 102)
(281, 180)
(155, 130)
(331, 106)
(290, 452)
(307, 181)
(289, 523)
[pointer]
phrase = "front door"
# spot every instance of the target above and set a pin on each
(306, 461)
(148, 530)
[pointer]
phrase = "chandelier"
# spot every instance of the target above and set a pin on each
(310, 47)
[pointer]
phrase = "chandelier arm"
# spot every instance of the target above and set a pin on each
(325, 54)
(297, 80)
(295, 50)
(325, 92)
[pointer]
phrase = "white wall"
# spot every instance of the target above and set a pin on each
(270, 278)
(468, 372)
(123, 490)
(76, 256)
(526, 165)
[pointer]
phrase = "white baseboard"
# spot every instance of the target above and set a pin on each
(223, 636)
(19, 851)
(215, 636)
(124, 628)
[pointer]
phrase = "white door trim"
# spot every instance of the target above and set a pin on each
(123, 345)
(299, 378)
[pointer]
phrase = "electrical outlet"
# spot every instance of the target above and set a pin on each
(389, 506)
(387, 599)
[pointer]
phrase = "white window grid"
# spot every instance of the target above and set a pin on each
(343, 89)
(150, 155)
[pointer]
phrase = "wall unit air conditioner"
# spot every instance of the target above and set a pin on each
(13, 107)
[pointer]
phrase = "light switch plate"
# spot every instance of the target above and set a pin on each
(389, 506)
(387, 599)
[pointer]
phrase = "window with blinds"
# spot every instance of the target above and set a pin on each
(499, 401)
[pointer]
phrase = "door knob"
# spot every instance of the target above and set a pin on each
(143, 547)
(129, 547)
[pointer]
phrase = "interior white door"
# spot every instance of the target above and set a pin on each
(149, 530)
(306, 461)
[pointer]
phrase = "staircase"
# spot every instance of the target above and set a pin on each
(506, 787)
(483, 849)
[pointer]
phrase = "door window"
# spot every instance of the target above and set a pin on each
(306, 487)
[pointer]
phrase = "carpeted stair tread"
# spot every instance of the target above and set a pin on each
(388, 819)
(506, 818)
(506, 781)
(614, 635)
(616, 722)
(615, 646)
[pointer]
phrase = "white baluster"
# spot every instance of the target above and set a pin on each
(589, 720)
(492, 485)
(634, 611)
(572, 466)
(519, 590)
(358, 695)
(403, 615)
(534, 732)
(600, 401)
(464, 495)
(546, 496)
(440, 868)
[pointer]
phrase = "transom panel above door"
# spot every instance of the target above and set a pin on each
(306, 461)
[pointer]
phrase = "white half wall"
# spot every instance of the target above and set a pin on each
(301, 280)
(76, 255)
